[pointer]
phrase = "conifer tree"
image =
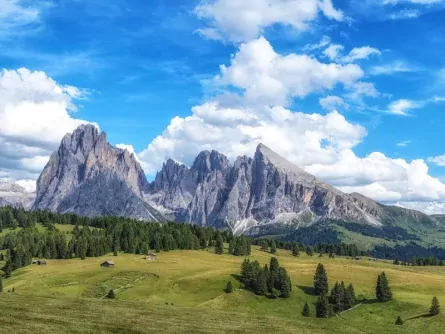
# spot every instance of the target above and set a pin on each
(383, 291)
(322, 308)
(321, 284)
(435, 307)
(295, 250)
(264, 246)
(273, 247)
(306, 311)
(350, 298)
(219, 246)
(231, 247)
(399, 321)
(309, 251)
(229, 287)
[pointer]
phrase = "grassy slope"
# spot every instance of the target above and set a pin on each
(65, 296)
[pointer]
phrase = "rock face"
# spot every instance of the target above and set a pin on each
(267, 189)
(89, 177)
(11, 194)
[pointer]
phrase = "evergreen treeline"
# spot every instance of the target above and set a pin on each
(407, 252)
(110, 234)
(421, 261)
(334, 249)
(272, 281)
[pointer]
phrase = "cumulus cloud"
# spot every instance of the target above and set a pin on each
(35, 113)
(268, 78)
(246, 20)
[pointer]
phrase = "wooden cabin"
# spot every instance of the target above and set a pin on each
(108, 264)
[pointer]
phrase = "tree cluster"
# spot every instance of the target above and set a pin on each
(240, 246)
(272, 281)
(342, 298)
(382, 290)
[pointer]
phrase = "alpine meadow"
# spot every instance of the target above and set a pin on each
(222, 166)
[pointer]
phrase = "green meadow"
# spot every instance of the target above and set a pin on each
(183, 292)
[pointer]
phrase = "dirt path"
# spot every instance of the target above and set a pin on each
(128, 285)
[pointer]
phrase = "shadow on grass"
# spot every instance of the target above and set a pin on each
(369, 301)
(420, 316)
(309, 290)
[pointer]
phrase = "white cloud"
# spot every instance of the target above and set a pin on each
(235, 124)
(246, 20)
(28, 185)
(19, 17)
(404, 143)
(322, 145)
(430, 208)
(332, 103)
(35, 113)
(396, 67)
(333, 52)
(439, 160)
(268, 78)
(130, 150)
(363, 52)
(403, 106)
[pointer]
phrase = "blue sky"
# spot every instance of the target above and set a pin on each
(149, 73)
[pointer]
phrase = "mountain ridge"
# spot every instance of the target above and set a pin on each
(90, 177)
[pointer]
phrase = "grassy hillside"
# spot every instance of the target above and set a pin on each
(183, 292)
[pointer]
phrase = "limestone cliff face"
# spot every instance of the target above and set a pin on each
(90, 177)
(267, 189)
(11, 194)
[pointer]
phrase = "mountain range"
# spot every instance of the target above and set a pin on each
(90, 177)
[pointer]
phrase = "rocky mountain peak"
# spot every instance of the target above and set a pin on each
(12, 194)
(90, 177)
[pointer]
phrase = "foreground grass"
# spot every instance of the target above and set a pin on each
(65, 296)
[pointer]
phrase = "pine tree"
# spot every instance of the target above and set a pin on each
(321, 284)
(435, 307)
(219, 246)
(264, 246)
(229, 287)
(350, 298)
(274, 265)
(273, 247)
(261, 283)
(383, 291)
(110, 294)
(396, 262)
(322, 308)
(231, 247)
(306, 311)
(309, 251)
(399, 321)
(295, 250)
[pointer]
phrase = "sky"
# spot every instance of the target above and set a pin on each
(351, 91)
